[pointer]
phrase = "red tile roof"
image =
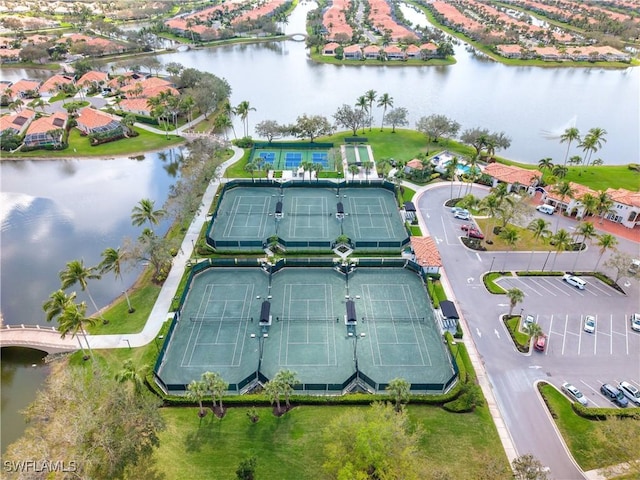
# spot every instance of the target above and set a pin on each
(91, 118)
(93, 77)
(426, 252)
(625, 197)
(511, 174)
(24, 85)
(46, 124)
(54, 83)
(578, 190)
(135, 105)
(16, 121)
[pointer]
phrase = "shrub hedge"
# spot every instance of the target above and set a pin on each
(489, 282)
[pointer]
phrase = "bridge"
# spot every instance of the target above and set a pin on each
(46, 339)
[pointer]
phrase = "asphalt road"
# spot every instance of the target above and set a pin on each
(586, 360)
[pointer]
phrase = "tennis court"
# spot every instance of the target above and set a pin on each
(246, 217)
(292, 158)
(395, 334)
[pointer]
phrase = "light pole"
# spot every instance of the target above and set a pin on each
(195, 254)
(131, 309)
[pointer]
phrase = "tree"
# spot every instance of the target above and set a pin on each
(603, 204)
(510, 236)
(476, 137)
(515, 296)
(435, 126)
(384, 101)
(587, 231)
(533, 329)
(560, 171)
(546, 164)
(196, 391)
(397, 117)
(273, 392)
(606, 241)
(399, 389)
(349, 118)
(570, 135)
(144, 212)
(560, 240)
(286, 379)
(490, 205)
(317, 168)
(592, 142)
(87, 418)
(76, 272)
(540, 229)
(269, 129)
(565, 191)
(215, 386)
(371, 97)
(620, 262)
(247, 469)
(112, 260)
(527, 467)
(353, 169)
(73, 319)
(55, 307)
(242, 110)
(363, 104)
(374, 443)
(130, 373)
(445, 49)
(251, 167)
(311, 127)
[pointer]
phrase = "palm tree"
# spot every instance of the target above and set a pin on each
(569, 135)
(368, 165)
(73, 319)
(76, 272)
(317, 167)
(603, 204)
(587, 231)
(58, 300)
(450, 171)
(196, 391)
(130, 373)
(605, 242)
(399, 388)
(533, 329)
(215, 385)
(306, 167)
(565, 191)
(370, 95)
(540, 229)
(112, 259)
(510, 236)
(251, 167)
(546, 164)
(384, 101)
(592, 142)
(491, 206)
(242, 110)
(560, 171)
(144, 212)
(363, 104)
(286, 379)
(515, 296)
(273, 391)
(561, 240)
(589, 203)
(353, 169)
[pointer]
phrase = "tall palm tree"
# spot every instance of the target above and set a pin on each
(565, 192)
(242, 110)
(515, 296)
(592, 142)
(399, 389)
(56, 303)
(273, 391)
(587, 231)
(370, 95)
(540, 229)
(112, 260)
(590, 204)
(560, 171)
(73, 319)
(510, 236)
(368, 165)
(286, 379)
(570, 134)
(130, 373)
(215, 385)
(606, 241)
(144, 212)
(251, 167)
(603, 204)
(490, 205)
(317, 168)
(450, 171)
(545, 164)
(353, 169)
(363, 104)
(196, 391)
(560, 240)
(533, 329)
(384, 101)
(76, 272)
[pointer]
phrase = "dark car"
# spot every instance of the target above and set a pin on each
(615, 395)
(472, 231)
(540, 343)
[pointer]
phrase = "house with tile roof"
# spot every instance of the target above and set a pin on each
(426, 254)
(371, 52)
(90, 121)
(394, 52)
(330, 48)
(413, 51)
(139, 106)
(353, 52)
(46, 131)
(429, 50)
(25, 88)
(54, 84)
(516, 178)
(626, 207)
(17, 123)
(93, 78)
(9, 55)
(569, 205)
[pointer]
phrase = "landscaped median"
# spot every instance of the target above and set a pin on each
(595, 443)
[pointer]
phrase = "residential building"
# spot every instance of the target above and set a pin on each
(426, 254)
(516, 178)
(54, 84)
(626, 207)
(17, 123)
(46, 130)
(91, 121)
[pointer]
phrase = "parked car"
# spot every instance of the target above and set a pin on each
(574, 281)
(574, 393)
(528, 320)
(548, 209)
(590, 324)
(631, 392)
(615, 395)
(540, 343)
(472, 231)
(458, 209)
(462, 215)
(635, 321)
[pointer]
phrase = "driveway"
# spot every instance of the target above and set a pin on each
(512, 375)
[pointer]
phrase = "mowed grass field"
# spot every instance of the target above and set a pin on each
(290, 447)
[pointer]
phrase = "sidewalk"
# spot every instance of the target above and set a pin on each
(160, 312)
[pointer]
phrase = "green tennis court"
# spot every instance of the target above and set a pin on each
(220, 329)
(290, 158)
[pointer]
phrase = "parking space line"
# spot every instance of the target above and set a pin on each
(544, 288)
(611, 336)
(593, 390)
(564, 337)
(555, 286)
(580, 337)
(606, 291)
(626, 333)
(595, 343)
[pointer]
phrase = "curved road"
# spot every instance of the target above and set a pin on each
(511, 374)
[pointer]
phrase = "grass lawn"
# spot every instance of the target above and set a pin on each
(513, 324)
(525, 243)
(579, 433)
(79, 146)
(288, 447)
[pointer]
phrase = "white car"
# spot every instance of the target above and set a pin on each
(574, 393)
(575, 281)
(635, 321)
(458, 209)
(631, 392)
(590, 324)
(462, 215)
